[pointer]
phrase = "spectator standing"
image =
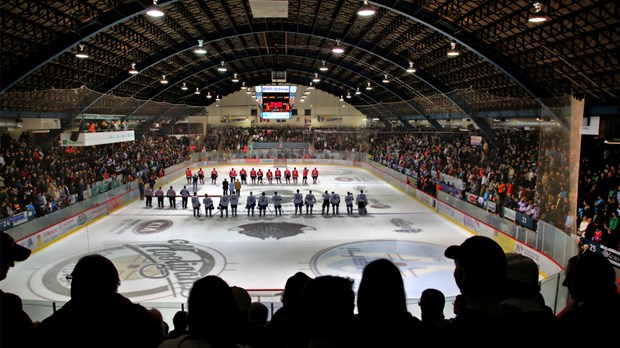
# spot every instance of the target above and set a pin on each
(238, 188)
(16, 326)
(97, 313)
(225, 187)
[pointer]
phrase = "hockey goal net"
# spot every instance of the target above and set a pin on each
(279, 162)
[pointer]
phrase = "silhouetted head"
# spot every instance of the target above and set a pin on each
(92, 276)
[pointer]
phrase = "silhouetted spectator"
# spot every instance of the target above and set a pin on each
(179, 322)
(285, 324)
(382, 308)
(259, 313)
(97, 315)
(480, 273)
(594, 305)
(212, 316)
(17, 327)
(432, 303)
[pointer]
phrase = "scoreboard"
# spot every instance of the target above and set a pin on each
(276, 101)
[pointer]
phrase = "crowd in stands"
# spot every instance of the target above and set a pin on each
(43, 177)
(499, 300)
(106, 126)
(327, 138)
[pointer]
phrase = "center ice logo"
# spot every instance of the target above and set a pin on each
(148, 271)
(277, 230)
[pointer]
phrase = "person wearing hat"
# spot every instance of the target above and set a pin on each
(522, 304)
(16, 326)
(480, 271)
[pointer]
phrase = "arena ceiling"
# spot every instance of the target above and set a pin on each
(506, 64)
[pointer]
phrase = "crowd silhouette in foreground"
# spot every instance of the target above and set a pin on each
(500, 304)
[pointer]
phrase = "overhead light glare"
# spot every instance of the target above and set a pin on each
(323, 67)
(385, 79)
(208, 95)
(411, 68)
(368, 87)
(163, 80)
(243, 87)
(184, 87)
(539, 15)
(310, 87)
(81, 53)
(341, 98)
(338, 49)
(222, 68)
(348, 95)
(235, 79)
(200, 49)
(453, 52)
(316, 78)
(197, 91)
(366, 10)
(357, 92)
(154, 10)
(133, 69)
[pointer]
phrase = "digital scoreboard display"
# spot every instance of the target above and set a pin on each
(276, 101)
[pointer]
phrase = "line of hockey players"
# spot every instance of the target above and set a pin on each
(329, 200)
(256, 177)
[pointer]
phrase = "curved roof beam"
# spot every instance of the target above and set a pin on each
(487, 53)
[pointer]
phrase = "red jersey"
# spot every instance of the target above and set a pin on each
(214, 172)
(242, 172)
(269, 174)
(295, 173)
(278, 173)
(201, 172)
(315, 172)
(287, 172)
(305, 171)
(260, 172)
(252, 172)
(188, 172)
(232, 173)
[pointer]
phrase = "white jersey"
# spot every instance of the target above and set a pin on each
(298, 198)
(251, 201)
(262, 201)
(361, 198)
(224, 200)
(310, 200)
(184, 193)
(277, 200)
(335, 198)
(348, 199)
(326, 196)
(234, 200)
(195, 202)
(208, 202)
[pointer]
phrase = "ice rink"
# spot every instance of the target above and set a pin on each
(160, 252)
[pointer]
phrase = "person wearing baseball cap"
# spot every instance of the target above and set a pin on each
(480, 271)
(16, 326)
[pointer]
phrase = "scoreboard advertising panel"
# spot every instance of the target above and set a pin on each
(276, 102)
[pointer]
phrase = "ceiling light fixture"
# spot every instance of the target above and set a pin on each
(323, 67)
(341, 98)
(197, 91)
(208, 95)
(348, 95)
(539, 15)
(200, 49)
(154, 10)
(243, 87)
(163, 80)
(133, 69)
(222, 68)
(81, 53)
(235, 79)
(368, 87)
(316, 78)
(366, 10)
(357, 92)
(338, 49)
(453, 52)
(184, 87)
(411, 68)
(385, 79)
(310, 87)
(217, 98)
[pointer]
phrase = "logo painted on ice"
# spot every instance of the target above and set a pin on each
(277, 230)
(152, 226)
(148, 271)
(405, 226)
